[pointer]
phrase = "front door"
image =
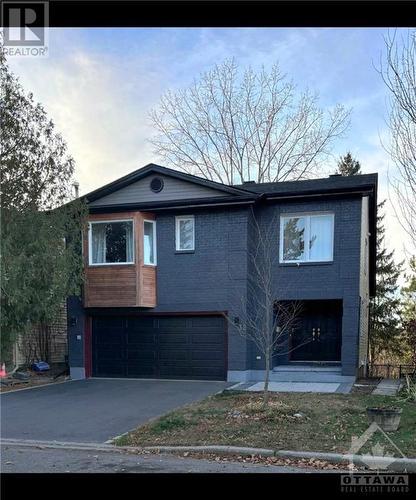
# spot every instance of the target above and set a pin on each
(317, 335)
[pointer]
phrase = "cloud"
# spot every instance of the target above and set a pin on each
(100, 106)
(99, 84)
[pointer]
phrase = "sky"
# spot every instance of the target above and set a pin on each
(98, 86)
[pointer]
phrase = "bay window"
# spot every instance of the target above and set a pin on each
(149, 242)
(307, 238)
(111, 242)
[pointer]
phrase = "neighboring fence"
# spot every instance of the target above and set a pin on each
(27, 348)
(390, 371)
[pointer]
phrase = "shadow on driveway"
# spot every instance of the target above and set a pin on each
(94, 410)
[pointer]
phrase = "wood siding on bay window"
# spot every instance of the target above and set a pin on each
(120, 285)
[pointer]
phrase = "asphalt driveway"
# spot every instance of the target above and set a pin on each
(94, 410)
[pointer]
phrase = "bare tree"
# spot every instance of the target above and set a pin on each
(232, 129)
(264, 316)
(399, 74)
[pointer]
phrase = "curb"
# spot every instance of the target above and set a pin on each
(231, 450)
(65, 445)
(385, 463)
(398, 465)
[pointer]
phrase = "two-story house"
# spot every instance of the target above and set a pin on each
(166, 253)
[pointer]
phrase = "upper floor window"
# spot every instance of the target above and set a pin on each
(185, 233)
(366, 256)
(307, 238)
(149, 242)
(111, 242)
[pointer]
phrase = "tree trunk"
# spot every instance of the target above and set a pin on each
(266, 381)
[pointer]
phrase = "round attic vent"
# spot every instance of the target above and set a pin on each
(156, 184)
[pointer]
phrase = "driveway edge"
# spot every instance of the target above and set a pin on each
(36, 386)
(398, 465)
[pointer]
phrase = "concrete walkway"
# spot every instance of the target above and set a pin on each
(387, 387)
(317, 387)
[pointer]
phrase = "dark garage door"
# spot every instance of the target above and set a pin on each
(187, 347)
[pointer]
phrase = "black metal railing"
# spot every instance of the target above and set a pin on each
(390, 371)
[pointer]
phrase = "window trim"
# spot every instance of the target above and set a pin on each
(307, 216)
(94, 264)
(178, 219)
(153, 264)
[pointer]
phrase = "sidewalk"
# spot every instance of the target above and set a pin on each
(317, 387)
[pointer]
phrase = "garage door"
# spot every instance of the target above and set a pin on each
(187, 347)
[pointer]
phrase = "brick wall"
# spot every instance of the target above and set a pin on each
(339, 279)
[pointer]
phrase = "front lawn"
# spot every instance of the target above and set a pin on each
(323, 422)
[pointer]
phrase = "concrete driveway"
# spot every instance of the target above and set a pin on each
(94, 410)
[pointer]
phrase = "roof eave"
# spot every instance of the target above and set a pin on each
(360, 190)
(177, 204)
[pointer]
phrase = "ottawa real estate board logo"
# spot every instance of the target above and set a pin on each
(25, 28)
(376, 452)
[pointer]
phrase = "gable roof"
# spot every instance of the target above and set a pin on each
(249, 190)
(152, 168)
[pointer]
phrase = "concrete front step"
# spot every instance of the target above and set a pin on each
(309, 373)
(307, 368)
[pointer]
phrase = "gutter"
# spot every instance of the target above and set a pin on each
(320, 194)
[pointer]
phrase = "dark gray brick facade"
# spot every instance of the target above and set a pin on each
(214, 276)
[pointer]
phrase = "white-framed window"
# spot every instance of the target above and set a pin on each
(149, 242)
(111, 242)
(185, 233)
(366, 256)
(307, 238)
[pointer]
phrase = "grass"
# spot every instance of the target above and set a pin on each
(328, 422)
